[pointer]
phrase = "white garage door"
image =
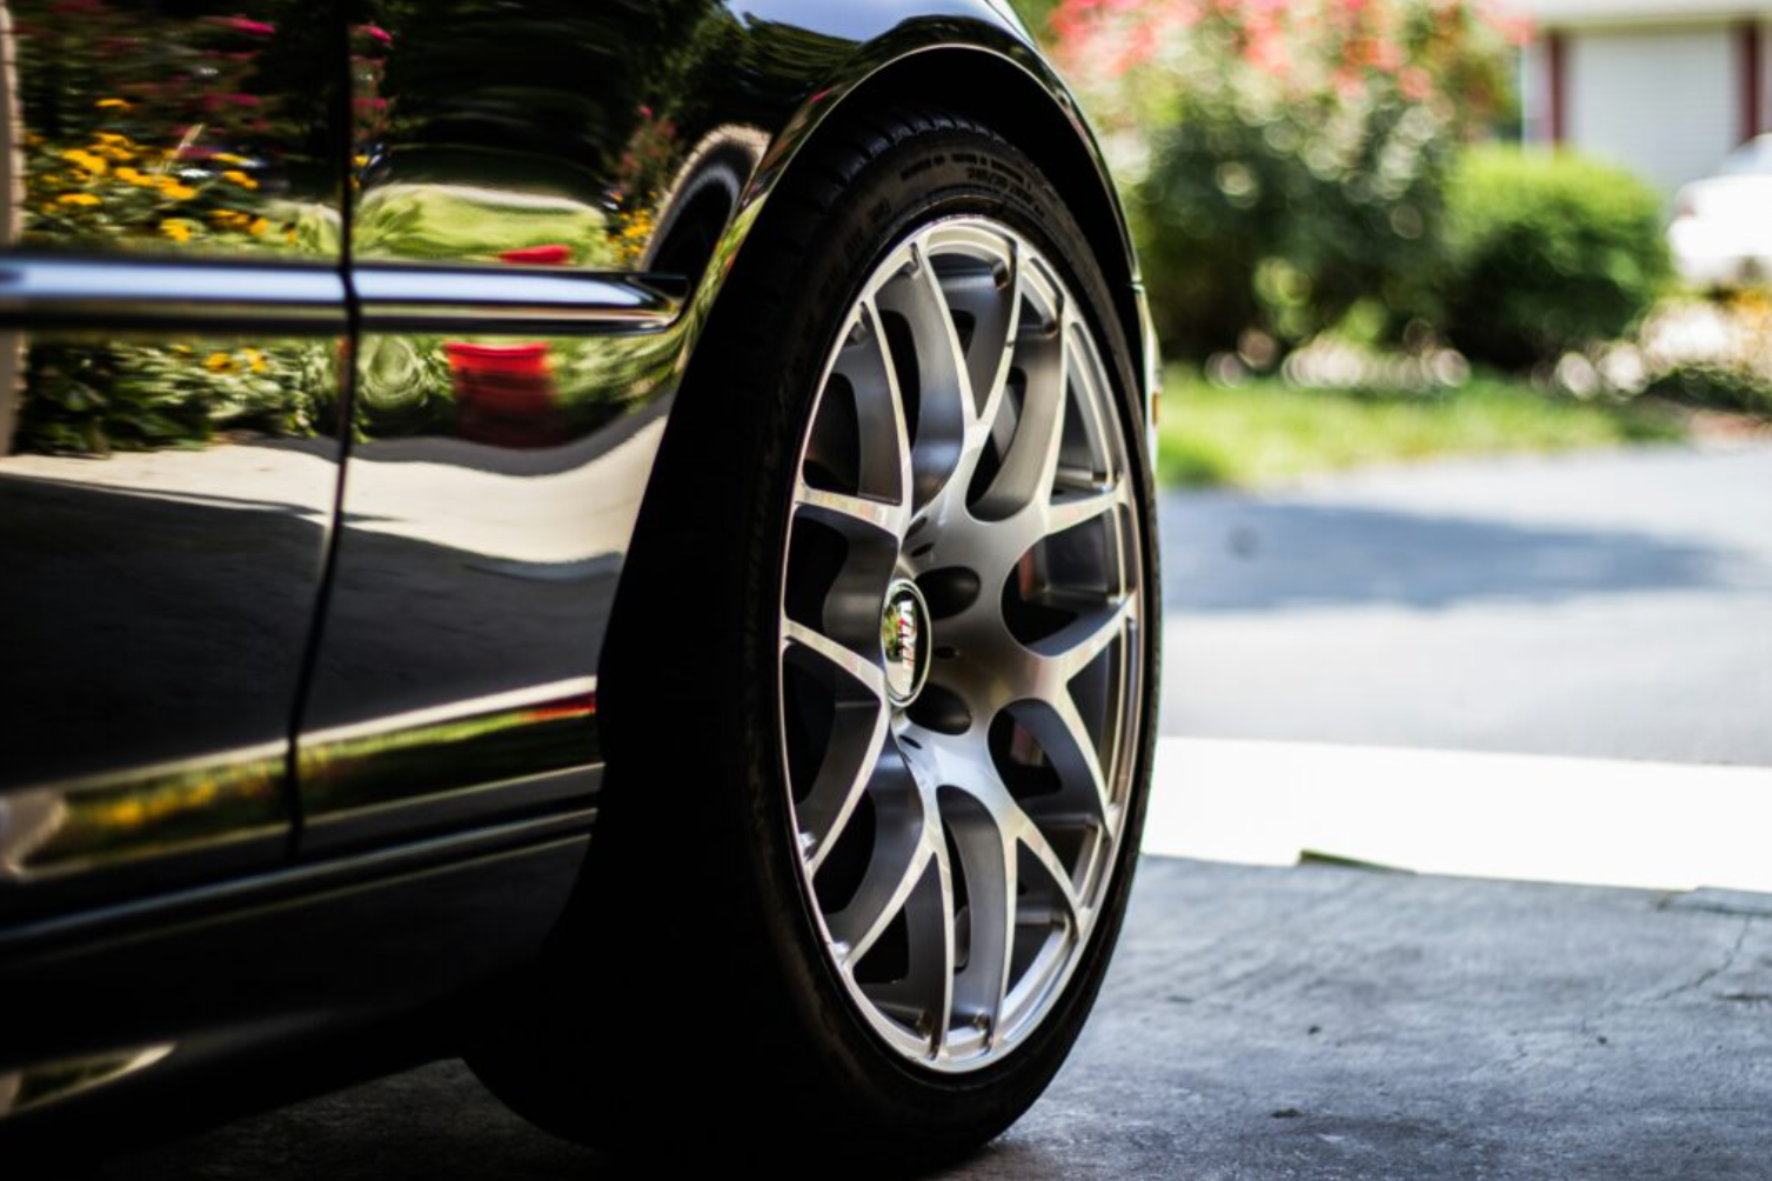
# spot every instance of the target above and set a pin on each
(1662, 101)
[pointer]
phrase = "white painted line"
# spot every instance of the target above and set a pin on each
(1532, 817)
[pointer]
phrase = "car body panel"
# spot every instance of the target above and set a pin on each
(172, 331)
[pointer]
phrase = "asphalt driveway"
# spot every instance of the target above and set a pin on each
(1308, 1023)
(1613, 604)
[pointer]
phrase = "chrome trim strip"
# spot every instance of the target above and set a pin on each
(530, 697)
(454, 808)
(71, 293)
(301, 880)
(175, 809)
(450, 764)
(43, 1083)
(394, 297)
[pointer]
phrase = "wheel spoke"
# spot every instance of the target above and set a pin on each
(987, 853)
(859, 669)
(894, 872)
(1067, 511)
(952, 355)
(846, 511)
(993, 344)
(882, 445)
(940, 968)
(850, 764)
(1062, 734)
(1035, 841)
(1031, 463)
(899, 432)
(944, 388)
(1075, 646)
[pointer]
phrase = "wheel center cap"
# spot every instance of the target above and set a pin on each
(904, 641)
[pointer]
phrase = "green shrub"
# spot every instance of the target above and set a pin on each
(1715, 387)
(1284, 162)
(1546, 252)
(1240, 233)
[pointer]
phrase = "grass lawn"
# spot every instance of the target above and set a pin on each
(1266, 431)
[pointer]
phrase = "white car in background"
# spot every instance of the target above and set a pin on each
(1721, 234)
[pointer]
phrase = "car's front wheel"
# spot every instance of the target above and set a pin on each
(879, 687)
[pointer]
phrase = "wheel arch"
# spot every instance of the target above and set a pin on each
(978, 69)
(1000, 81)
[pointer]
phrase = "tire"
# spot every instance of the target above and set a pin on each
(701, 978)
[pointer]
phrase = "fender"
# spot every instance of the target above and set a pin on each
(975, 56)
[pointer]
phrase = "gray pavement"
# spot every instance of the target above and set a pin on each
(1308, 1023)
(1611, 604)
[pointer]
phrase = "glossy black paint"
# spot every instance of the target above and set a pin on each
(260, 694)
(173, 322)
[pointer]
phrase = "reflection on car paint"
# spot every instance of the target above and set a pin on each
(474, 758)
(164, 513)
(229, 799)
(493, 491)
(50, 1082)
(147, 130)
(496, 478)
(165, 498)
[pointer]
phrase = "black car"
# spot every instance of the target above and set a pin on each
(612, 538)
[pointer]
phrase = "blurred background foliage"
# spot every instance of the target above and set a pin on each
(1544, 254)
(1335, 219)
(1285, 161)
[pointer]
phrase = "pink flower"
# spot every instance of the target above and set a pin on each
(1414, 84)
(552, 254)
(215, 102)
(1516, 26)
(379, 33)
(241, 24)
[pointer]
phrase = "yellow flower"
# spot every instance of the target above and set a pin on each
(171, 188)
(231, 219)
(229, 158)
(76, 199)
(132, 175)
(255, 360)
(289, 235)
(111, 139)
(219, 363)
(360, 160)
(258, 227)
(112, 104)
(177, 228)
(240, 178)
(84, 159)
(127, 813)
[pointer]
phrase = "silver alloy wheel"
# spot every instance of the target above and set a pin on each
(960, 655)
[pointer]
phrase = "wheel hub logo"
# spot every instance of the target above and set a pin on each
(903, 642)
